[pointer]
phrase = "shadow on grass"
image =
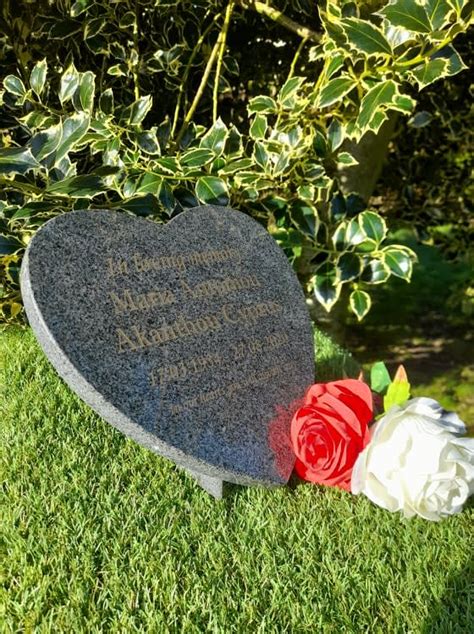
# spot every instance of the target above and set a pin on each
(454, 612)
(426, 324)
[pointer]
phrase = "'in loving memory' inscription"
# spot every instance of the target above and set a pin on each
(192, 338)
(218, 289)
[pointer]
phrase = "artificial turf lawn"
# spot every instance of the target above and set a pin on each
(100, 534)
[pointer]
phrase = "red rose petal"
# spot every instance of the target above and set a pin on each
(314, 392)
(345, 413)
(301, 469)
(356, 395)
(330, 431)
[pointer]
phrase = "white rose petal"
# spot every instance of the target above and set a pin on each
(416, 462)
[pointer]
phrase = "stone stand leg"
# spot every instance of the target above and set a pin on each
(214, 486)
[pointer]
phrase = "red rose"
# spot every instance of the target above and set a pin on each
(330, 430)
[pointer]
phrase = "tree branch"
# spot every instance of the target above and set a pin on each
(200, 90)
(187, 70)
(223, 38)
(279, 17)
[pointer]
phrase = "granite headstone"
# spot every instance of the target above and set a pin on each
(192, 338)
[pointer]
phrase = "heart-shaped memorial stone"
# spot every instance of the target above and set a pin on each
(192, 338)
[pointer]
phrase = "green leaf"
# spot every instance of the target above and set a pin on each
(348, 267)
(118, 51)
(38, 76)
(149, 184)
(64, 169)
(127, 20)
(281, 164)
(32, 208)
(403, 103)
(129, 186)
(260, 154)
(142, 205)
(258, 127)
(336, 62)
(458, 5)
(380, 95)
(8, 245)
(46, 142)
(408, 14)
(398, 36)
(373, 226)
(98, 43)
(445, 63)
(339, 237)
(289, 90)
(306, 192)
(166, 197)
(290, 241)
(118, 70)
(185, 197)
(366, 246)
(212, 190)
(335, 90)
(87, 90)
(236, 166)
(455, 63)
(262, 104)
(379, 377)
(69, 84)
(148, 141)
(106, 101)
(215, 137)
(320, 144)
(346, 159)
(375, 272)
(92, 28)
(360, 303)
(438, 12)
(420, 119)
(365, 37)
(73, 130)
(314, 172)
(399, 262)
(86, 186)
(168, 165)
(197, 157)
(335, 134)
(17, 160)
(62, 29)
(139, 109)
(398, 392)
(233, 146)
(292, 138)
(325, 286)
(429, 71)
(305, 217)
(14, 85)
(79, 7)
(354, 233)
(35, 119)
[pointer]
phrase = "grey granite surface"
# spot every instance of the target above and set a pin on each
(192, 338)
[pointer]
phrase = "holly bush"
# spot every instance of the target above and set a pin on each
(150, 107)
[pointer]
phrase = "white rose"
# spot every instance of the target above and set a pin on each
(416, 463)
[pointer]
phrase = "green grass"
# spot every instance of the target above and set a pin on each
(101, 535)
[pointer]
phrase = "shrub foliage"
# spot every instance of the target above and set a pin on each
(150, 107)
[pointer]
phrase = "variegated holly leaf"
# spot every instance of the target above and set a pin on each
(365, 37)
(360, 303)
